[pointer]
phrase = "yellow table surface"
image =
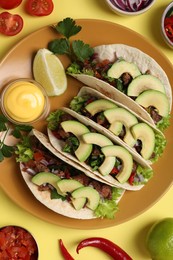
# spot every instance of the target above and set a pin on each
(130, 235)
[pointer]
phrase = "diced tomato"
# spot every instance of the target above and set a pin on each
(169, 30)
(17, 244)
(115, 171)
(168, 20)
(131, 178)
(38, 156)
(39, 7)
(10, 24)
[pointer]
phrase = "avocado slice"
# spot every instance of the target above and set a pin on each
(46, 177)
(78, 129)
(116, 127)
(78, 203)
(101, 140)
(146, 135)
(126, 158)
(118, 68)
(99, 105)
(126, 118)
(68, 185)
(142, 83)
(91, 195)
(155, 99)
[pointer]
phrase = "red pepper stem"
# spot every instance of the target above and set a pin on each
(64, 251)
(106, 245)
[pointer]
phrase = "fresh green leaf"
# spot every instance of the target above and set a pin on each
(23, 151)
(160, 144)
(25, 128)
(96, 160)
(60, 46)
(7, 150)
(18, 129)
(78, 102)
(54, 118)
(1, 156)
(108, 207)
(76, 50)
(81, 50)
(3, 121)
(164, 123)
(68, 27)
(74, 68)
(71, 145)
(17, 132)
(55, 195)
(143, 175)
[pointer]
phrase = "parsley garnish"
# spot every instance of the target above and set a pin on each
(77, 50)
(15, 130)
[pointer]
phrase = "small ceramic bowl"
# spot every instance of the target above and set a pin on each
(18, 243)
(24, 101)
(129, 9)
(166, 24)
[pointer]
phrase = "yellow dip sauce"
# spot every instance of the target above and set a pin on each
(24, 101)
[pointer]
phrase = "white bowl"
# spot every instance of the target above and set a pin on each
(115, 8)
(165, 14)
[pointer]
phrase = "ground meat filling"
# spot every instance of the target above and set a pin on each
(48, 162)
(100, 69)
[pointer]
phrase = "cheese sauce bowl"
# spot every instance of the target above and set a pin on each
(24, 101)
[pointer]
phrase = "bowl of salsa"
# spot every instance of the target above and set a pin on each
(167, 25)
(17, 243)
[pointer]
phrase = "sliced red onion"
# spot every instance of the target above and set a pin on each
(31, 171)
(131, 5)
(120, 4)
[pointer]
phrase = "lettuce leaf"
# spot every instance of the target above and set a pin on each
(164, 123)
(53, 119)
(160, 144)
(23, 151)
(77, 103)
(108, 208)
(74, 68)
(142, 175)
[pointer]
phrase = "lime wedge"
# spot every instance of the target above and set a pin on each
(49, 72)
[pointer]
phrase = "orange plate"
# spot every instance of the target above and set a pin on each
(18, 63)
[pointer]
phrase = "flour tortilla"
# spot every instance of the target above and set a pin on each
(57, 205)
(144, 63)
(94, 93)
(58, 145)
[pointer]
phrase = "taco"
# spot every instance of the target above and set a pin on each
(135, 79)
(120, 123)
(86, 144)
(63, 186)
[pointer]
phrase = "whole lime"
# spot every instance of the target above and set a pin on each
(160, 240)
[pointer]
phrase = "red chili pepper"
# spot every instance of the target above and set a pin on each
(106, 245)
(64, 251)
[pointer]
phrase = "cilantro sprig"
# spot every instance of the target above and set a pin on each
(77, 50)
(6, 128)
